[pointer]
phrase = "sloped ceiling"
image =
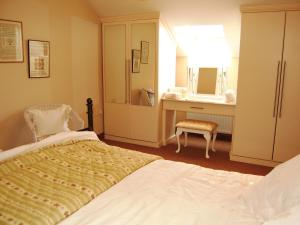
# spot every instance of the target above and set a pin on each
(187, 12)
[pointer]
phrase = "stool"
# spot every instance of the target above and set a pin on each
(207, 128)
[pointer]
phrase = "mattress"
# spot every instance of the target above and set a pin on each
(162, 192)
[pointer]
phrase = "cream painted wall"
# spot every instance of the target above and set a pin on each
(166, 73)
(181, 71)
(232, 74)
(71, 26)
(86, 81)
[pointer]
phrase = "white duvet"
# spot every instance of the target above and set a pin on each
(163, 192)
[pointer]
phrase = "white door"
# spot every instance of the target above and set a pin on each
(260, 53)
(287, 142)
(114, 63)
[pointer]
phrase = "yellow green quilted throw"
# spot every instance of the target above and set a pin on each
(47, 185)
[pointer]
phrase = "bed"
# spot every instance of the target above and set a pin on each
(74, 178)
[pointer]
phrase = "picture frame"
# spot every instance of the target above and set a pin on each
(136, 59)
(144, 52)
(39, 58)
(11, 41)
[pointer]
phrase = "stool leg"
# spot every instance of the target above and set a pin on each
(207, 137)
(178, 133)
(185, 139)
(214, 139)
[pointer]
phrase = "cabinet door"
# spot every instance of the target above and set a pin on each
(143, 123)
(114, 63)
(117, 120)
(287, 142)
(260, 52)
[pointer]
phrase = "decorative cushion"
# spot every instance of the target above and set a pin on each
(197, 125)
(51, 121)
(277, 192)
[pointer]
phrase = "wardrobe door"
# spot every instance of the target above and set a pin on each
(145, 77)
(287, 142)
(260, 54)
(114, 63)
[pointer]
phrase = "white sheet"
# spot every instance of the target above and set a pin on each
(165, 192)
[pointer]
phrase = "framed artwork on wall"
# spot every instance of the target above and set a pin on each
(136, 59)
(39, 58)
(144, 52)
(11, 41)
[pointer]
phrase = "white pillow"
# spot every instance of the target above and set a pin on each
(51, 121)
(277, 192)
(289, 217)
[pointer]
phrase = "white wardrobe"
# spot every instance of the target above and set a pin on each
(126, 75)
(267, 122)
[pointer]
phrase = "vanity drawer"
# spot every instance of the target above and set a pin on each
(199, 107)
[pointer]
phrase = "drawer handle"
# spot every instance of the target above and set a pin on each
(195, 107)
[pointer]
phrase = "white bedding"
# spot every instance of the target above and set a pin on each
(163, 192)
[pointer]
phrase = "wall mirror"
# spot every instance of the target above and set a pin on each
(142, 78)
(130, 68)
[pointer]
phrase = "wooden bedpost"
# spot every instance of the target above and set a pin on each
(89, 104)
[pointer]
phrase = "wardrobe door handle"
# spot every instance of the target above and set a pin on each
(282, 89)
(126, 79)
(129, 81)
(195, 107)
(276, 90)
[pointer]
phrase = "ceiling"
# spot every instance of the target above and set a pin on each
(187, 12)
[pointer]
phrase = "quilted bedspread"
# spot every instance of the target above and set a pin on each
(49, 184)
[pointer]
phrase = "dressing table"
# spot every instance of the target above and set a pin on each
(205, 104)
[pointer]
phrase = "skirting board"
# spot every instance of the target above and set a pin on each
(132, 141)
(253, 161)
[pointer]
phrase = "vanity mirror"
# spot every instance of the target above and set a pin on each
(206, 80)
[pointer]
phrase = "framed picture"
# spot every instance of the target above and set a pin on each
(136, 58)
(39, 58)
(11, 41)
(145, 52)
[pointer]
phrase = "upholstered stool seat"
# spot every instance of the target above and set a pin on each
(207, 128)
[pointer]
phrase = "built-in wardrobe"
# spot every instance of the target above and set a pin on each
(266, 126)
(139, 57)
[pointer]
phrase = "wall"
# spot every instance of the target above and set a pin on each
(72, 28)
(181, 71)
(166, 73)
(232, 74)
